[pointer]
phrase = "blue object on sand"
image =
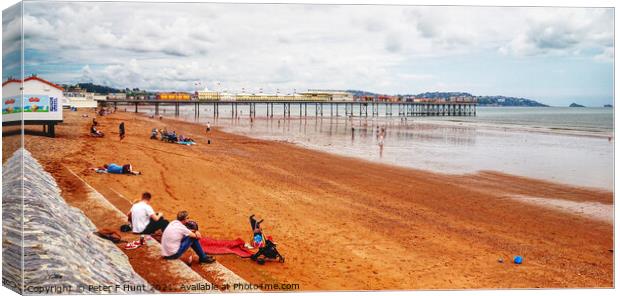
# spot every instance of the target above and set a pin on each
(518, 260)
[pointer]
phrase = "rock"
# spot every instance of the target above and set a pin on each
(60, 252)
(576, 105)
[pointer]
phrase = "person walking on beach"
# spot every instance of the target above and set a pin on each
(381, 137)
(180, 235)
(143, 218)
(208, 126)
(121, 130)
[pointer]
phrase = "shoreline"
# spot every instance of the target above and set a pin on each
(300, 141)
(314, 148)
(378, 225)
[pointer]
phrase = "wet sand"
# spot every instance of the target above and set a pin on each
(344, 223)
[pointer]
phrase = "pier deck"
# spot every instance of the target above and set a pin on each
(318, 108)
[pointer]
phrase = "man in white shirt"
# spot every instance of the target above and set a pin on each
(143, 218)
(180, 235)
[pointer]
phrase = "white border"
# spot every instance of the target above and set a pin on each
(563, 3)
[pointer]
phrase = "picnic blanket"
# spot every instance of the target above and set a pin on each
(188, 143)
(221, 247)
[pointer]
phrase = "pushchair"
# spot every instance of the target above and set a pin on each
(266, 247)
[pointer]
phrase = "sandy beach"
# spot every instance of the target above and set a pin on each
(344, 223)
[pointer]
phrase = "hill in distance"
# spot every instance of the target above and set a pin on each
(482, 100)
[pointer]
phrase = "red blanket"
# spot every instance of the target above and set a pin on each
(221, 247)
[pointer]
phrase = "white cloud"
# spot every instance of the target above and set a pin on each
(170, 46)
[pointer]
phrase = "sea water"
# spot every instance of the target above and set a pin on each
(565, 145)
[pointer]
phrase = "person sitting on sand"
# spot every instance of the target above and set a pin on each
(180, 235)
(95, 132)
(113, 168)
(154, 134)
(143, 218)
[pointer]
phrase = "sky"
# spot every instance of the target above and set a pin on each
(553, 55)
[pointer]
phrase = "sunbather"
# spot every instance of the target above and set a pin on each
(184, 139)
(113, 168)
(143, 218)
(180, 235)
(95, 132)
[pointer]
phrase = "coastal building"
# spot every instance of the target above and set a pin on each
(173, 96)
(80, 98)
(208, 95)
(328, 95)
(310, 95)
(40, 102)
(83, 100)
(117, 96)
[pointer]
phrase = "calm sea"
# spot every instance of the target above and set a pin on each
(565, 145)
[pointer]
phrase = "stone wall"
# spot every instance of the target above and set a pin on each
(61, 253)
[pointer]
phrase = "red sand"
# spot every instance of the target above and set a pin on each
(342, 223)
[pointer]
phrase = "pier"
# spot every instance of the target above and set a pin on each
(301, 108)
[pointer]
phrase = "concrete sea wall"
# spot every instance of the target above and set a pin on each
(60, 252)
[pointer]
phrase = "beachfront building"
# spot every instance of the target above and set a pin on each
(173, 96)
(40, 102)
(83, 100)
(117, 96)
(327, 95)
(227, 96)
(208, 95)
(310, 95)
(76, 97)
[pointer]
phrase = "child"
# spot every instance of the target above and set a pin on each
(258, 240)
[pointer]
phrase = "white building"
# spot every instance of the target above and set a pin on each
(40, 103)
(82, 99)
(333, 95)
(116, 96)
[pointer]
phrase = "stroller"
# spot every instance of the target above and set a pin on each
(266, 247)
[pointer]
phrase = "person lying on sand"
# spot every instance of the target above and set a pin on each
(180, 235)
(113, 168)
(143, 218)
(95, 132)
(184, 139)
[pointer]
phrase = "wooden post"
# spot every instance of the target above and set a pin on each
(51, 131)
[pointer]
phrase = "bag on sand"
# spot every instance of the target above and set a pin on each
(110, 235)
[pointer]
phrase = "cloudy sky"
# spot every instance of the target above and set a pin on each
(554, 55)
